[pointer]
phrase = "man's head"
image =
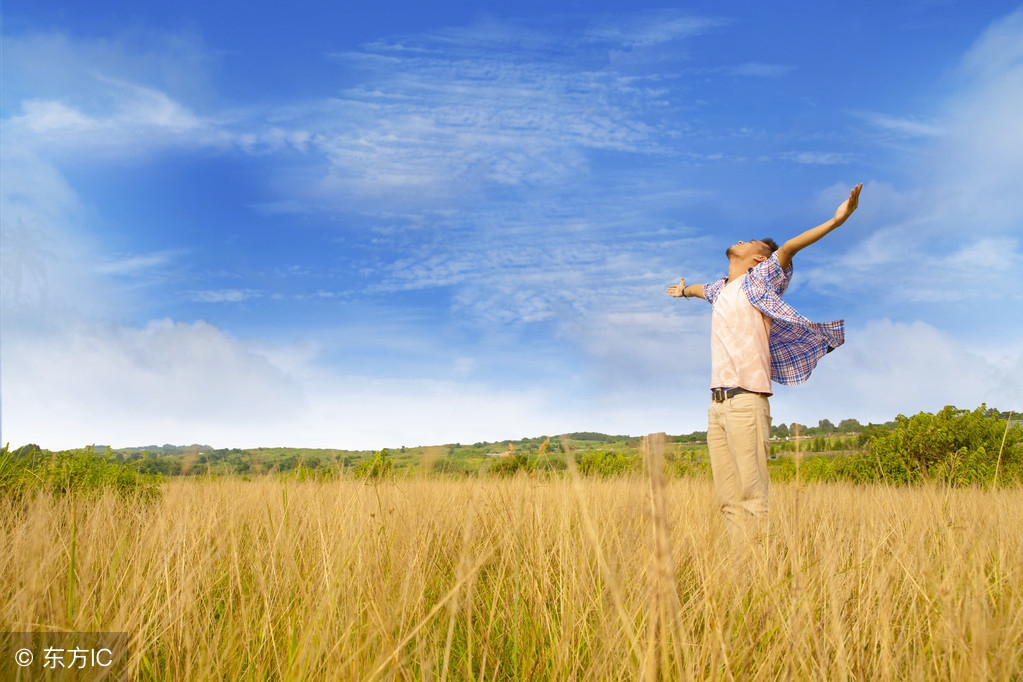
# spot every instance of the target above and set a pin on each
(754, 251)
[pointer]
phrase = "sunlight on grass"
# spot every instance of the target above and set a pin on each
(558, 578)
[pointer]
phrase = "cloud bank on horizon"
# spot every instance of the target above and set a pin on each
(460, 228)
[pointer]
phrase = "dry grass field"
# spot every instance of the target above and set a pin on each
(561, 578)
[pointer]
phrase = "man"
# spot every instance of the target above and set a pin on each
(756, 338)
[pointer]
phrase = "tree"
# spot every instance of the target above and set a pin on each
(850, 426)
(825, 426)
(780, 430)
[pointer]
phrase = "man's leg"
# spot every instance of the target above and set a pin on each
(727, 481)
(749, 437)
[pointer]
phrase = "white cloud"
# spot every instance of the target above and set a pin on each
(146, 106)
(952, 237)
(125, 99)
(223, 295)
(47, 260)
(133, 265)
(977, 169)
(56, 66)
(191, 383)
(45, 117)
(819, 158)
(985, 254)
(649, 352)
(141, 121)
(887, 368)
(558, 273)
(372, 413)
(449, 115)
(649, 28)
(96, 384)
(135, 107)
(998, 51)
(117, 96)
(904, 126)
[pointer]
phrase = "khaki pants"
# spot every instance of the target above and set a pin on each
(738, 435)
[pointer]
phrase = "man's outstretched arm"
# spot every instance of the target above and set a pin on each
(683, 290)
(800, 242)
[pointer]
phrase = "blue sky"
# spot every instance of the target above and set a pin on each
(366, 225)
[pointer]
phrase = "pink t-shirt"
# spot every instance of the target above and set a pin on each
(740, 355)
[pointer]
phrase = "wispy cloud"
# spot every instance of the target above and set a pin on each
(993, 254)
(452, 113)
(138, 120)
(758, 69)
(223, 295)
(949, 238)
(47, 261)
(121, 95)
(908, 127)
(493, 142)
(819, 158)
(132, 265)
(997, 51)
(651, 27)
(121, 99)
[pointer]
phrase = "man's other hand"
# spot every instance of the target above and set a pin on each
(677, 289)
(849, 205)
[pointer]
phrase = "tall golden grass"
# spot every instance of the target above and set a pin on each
(560, 578)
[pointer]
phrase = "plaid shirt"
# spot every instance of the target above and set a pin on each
(796, 343)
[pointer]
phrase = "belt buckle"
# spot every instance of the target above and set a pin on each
(719, 395)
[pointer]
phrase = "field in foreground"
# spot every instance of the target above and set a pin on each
(525, 578)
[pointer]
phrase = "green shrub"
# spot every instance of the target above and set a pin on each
(379, 465)
(72, 472)
(306, 473)
(605, 464)
(954, 446)
(507, 466)
(689, 463)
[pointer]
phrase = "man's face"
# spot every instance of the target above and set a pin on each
(748, 249)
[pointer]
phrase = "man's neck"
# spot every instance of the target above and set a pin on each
(737, 269)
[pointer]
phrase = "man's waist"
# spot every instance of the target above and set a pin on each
(720, 395)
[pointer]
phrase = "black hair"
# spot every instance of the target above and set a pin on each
(771, 244)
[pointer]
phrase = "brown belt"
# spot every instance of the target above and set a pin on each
(720, 395)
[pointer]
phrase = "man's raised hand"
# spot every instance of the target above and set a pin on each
(677, 289)
(849, 205)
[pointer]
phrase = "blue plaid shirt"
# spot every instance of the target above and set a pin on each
(796, 343)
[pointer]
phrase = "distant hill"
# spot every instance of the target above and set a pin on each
(166, 449)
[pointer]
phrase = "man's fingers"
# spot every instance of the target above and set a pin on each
(854, 197)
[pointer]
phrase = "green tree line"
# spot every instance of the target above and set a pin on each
(953, 446)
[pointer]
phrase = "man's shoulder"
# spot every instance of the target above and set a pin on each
(770, 270)
(711, 290)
